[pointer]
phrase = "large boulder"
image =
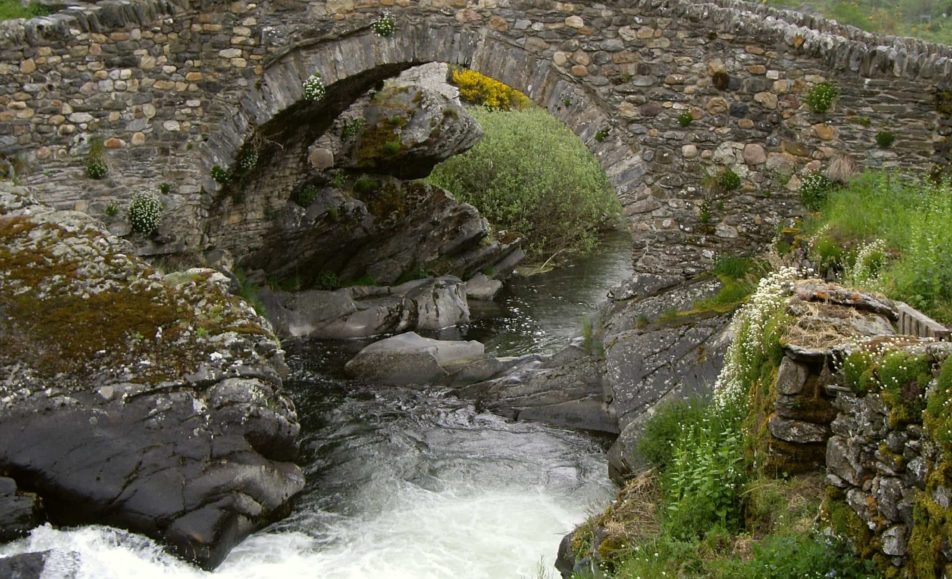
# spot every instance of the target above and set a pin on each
(358, 312)
(19, 511)
(406, 130)
(144, 401)
(652, 357)
(409, 359)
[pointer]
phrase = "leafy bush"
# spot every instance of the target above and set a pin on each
(165, 188)
(885, 139)
(531, 176)
(602, 134)
(814, 190)
(144, 213)
(821, 97)
(314, 89)
(479, 89)
(685, 119)
(351, 128)
(112, 209)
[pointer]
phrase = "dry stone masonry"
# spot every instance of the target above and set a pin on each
(173, 88)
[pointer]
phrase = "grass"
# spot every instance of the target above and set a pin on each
(738, 277)
(911, 218)
(11, 9)
(924, 19)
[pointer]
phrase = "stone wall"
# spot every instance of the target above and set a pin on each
(174, 88)
(836, 406)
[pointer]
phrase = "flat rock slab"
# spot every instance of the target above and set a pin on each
(409, 358)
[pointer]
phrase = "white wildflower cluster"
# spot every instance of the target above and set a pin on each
(869, 263)
(748, 327)
(144, 212)
(384, 25)
(314, 89)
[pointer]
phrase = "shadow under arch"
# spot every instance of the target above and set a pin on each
(276, 113)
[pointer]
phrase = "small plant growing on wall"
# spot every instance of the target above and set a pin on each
(247, 158)
(602, 134)
(728, 180)
(814, 190)
(314, 89)
(96, 167)
(885, 139)
(685, 119)
(351, 128)
(220, 175)
(384, 25)
(144, 213)
(165, 188)
(821, 97)
(112, 209)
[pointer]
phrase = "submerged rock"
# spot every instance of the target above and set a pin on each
(411, 359)
(129, 398)
(19, 511)
(24, 566)
(357, 312)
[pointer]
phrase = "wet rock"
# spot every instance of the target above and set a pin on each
(409, 359)
(563, 390)
(19, 511)
(481, 287)
(24, 566)
(428, 304)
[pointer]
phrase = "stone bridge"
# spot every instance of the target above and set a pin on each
(175, 87)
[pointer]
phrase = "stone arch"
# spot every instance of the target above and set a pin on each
(351, 65)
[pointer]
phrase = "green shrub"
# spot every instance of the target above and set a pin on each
(685, 119)
(602, 134)
(351, 128)
(145, 210)
(798, 555)
(531, 176)
(885, 139)
(821, 97)
(728, 180)
(165, 188)
(112, 209)
(814, 190)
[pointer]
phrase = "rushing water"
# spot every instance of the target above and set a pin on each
(407, 483)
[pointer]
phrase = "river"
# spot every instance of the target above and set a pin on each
(408, 483)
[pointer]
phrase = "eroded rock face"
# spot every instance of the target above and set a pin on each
(382, 229)
(129, 398)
